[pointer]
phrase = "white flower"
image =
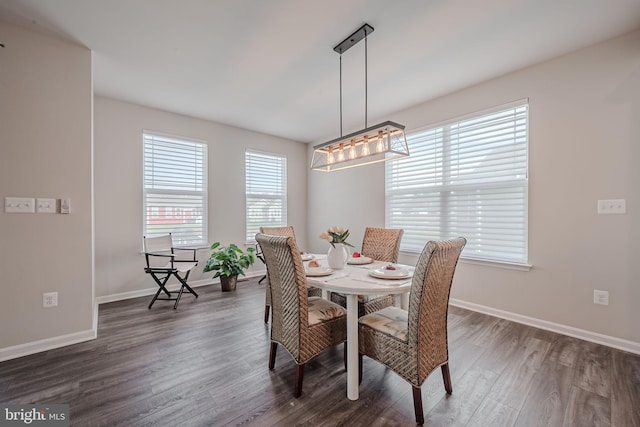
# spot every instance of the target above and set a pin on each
(335, 235)
(326, 236)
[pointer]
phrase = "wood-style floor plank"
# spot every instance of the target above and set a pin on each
(587, 409)
(594, 368)
(548, 399)
(206, 364)
(625, 389)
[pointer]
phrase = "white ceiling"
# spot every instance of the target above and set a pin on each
(269, 65)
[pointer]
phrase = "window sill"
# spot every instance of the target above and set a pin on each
(482, 262)
(497, 264)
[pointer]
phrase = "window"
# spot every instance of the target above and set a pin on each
(466, 178)
(266, 191)
(175, 189)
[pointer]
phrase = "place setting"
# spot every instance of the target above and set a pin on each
(315, 269)
(357, 258)
(390, 274)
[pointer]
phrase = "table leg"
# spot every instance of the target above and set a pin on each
(404, 301)
(352, 347)
(325, 294)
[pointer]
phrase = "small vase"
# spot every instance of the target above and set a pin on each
(337, 257)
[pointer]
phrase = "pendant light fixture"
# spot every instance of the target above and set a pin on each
(373, 144)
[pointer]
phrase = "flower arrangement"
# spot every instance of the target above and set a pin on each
(335, 235)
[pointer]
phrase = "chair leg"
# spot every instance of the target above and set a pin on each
(446, 376)
(299, 378)
(266, 313)
(175, 306)
(183, 281)
(417, 405)
(161, 283)
(272, 355)
(165, 279)
(155, 297)
(344, 355)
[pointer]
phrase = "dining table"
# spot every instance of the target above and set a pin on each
(359, 277)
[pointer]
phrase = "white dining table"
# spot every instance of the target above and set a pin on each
(354, 280)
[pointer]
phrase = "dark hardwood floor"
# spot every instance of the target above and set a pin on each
(205, 364)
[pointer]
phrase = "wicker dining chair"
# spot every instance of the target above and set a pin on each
(286, 231)
(414, 343)
(304, 325)
(380, 244)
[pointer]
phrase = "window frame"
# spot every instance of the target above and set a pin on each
(519, 263)
(199, 146)
(284, 196)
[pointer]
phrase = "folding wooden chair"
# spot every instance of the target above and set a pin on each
(162, 263)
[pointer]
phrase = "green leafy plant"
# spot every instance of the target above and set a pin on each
(229, 260)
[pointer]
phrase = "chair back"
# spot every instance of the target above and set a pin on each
(160, 244)
(382, 244)
(429, 302)
(288, 283)
(286, 231)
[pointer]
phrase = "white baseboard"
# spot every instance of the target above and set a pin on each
(609, 341)
(46, 344)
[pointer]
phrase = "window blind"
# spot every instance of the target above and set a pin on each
(266, 191)
(175, 189)
(465, 178)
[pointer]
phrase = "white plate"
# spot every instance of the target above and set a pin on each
(318, 271)
(382, 273)
(359, 260)
(307, 257)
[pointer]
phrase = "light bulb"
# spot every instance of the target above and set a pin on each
(365, 146)
(380, 145)
(352, 150)
(330, 156)
(341, 153)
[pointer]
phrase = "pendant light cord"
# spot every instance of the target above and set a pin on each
(365, 79)
(340, 95)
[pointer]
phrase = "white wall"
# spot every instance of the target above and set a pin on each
(45, 151)
(118, 187)
(584, 126)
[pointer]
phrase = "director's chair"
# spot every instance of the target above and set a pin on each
(162, 263)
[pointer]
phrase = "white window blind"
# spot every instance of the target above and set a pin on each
(266, 191)
(175, 189)
(465, 178)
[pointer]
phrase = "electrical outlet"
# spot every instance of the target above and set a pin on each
(600, 297)
(49, 299)
(607, 207)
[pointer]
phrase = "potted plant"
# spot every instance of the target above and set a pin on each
(228, 262)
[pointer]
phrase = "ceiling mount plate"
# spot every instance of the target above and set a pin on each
(353, 39)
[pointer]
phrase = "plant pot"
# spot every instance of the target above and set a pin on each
(228, 283)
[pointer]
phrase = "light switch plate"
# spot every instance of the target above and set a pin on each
(19, 205)
(45, 205)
